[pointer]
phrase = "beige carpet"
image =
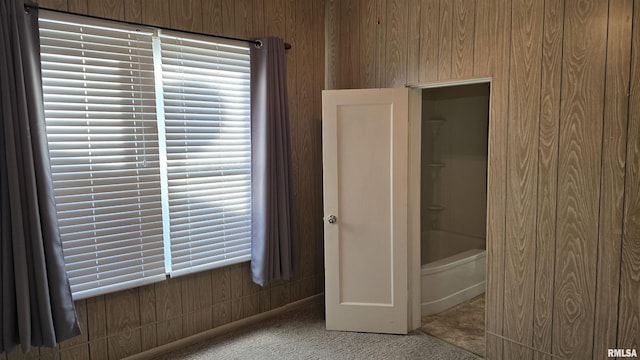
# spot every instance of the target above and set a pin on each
(461, 325)
(301, 334)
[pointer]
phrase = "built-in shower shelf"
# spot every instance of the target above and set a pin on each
(437, 121)
(435, 208)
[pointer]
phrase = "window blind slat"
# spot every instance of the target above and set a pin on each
(117, 166)
(100, 112)
(202, 258)
(94, 86)
(208, 146)
(187, 267)
(200, 252)
(106, 236)
(200, 82)
(118, 253)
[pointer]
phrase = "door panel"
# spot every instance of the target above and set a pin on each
(365, 151)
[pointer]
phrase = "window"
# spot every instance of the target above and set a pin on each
(208, 149)
(149, 138)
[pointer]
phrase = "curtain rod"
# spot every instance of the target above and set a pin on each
(258, 43)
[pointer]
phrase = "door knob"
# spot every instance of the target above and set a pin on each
(331, 219)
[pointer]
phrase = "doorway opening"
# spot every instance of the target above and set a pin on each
(453, 203)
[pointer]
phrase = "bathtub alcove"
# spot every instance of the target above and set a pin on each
(453, 201)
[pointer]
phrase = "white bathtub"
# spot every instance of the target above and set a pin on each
(453, 279)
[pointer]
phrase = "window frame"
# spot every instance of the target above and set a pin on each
(161, 134)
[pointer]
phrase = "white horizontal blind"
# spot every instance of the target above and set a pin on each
(208, 144)
(99, 97)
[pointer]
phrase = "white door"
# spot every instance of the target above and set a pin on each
(365, 155)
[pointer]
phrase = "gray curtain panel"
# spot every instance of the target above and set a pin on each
(36, 308)
(274, 240)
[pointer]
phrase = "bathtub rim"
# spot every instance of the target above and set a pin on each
(452, 261)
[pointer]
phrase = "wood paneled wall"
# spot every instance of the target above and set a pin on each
(128, 322)
(563, 229)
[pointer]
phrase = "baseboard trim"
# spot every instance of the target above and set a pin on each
(221, 330)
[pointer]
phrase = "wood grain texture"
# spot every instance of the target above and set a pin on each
(108, 9)
(368, 29)
(235, 281)
(156, 12)
(307, 287)
(493, 344)
(332, 44)
(303, 135)
(280, 295)
(48, 353)
(413, 41)
(244, 18)
(186, 15)
(504, 342)
(148, 330)
(248, 286)
(381, 44)
(296, 291)
(396, 43)
(221, 314)
(212, 17)
(496, 22)
(97, 324)
(297, 15)
(78, 6)
(123, 323)
(160, 309)
(445, 32)
(349, 45)
(259, 24)
(169, 311)
(522, 174)
(318, 55)
(236, 310)
(274, 18)
(485, 27)
(292, 24)
(614, 149)
(579, 160)
(250, 305)
(464, 16)
(290, 27)
(133, 11)
(229, 18)
(221, 285)
(75, 353)
(629, 311)
(265, 298)
(319, 283)
(53, 4)
(429, 39)
(17, 354)
(547, 175)
(196, 303)
(573, 169)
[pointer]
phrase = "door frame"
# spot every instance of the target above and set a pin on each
(414, 180)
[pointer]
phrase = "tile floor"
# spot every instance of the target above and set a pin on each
(461, 325)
